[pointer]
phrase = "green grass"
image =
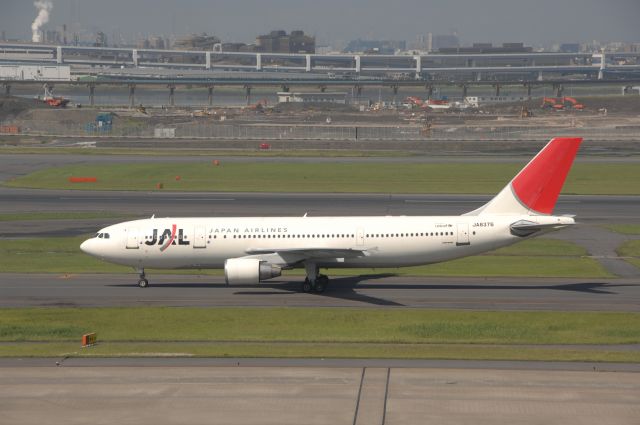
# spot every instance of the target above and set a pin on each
(320, 332)
(467, 178)
(318, 325)
(630, 249)
(625, 229)
(318, 350)
(560, 259)
(53, 215)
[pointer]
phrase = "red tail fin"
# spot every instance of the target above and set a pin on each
(538, 185)
(536, 188)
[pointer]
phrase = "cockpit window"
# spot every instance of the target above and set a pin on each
(100, 235)
(106, 236)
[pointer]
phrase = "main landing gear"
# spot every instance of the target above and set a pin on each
(143, 282)
(314, 282)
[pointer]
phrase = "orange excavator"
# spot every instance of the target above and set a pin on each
(549, 102)
(415, 101)
(574, 103)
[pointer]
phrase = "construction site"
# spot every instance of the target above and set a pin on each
(408, 125)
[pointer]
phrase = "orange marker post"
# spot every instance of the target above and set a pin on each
(89, 339)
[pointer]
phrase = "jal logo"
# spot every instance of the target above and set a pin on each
(168, 237)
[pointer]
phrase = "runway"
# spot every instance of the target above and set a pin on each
(320, 394)
(373, 291)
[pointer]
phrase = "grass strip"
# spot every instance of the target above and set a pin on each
(55, 215)
(631, 250)
(624, 229)
(318, 325)
(456, 178)
(560, 259)
(321, 350)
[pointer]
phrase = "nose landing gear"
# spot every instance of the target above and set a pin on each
(143, 282)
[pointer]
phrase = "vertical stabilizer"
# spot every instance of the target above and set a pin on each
(537, 186)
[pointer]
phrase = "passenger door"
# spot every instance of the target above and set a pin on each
(200, 239)
(463, 234)
(132, 239)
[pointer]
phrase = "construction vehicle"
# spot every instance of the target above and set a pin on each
(574, 103)
(550, 102)
(51, 100)
(102, 124)
(414, 101)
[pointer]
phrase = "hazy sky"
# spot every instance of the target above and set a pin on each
(532, 21)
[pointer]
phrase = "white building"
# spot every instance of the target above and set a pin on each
(312, 97)
(35, 72)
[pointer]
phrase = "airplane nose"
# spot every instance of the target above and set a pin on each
(86, 247)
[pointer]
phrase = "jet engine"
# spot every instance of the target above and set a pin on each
(247, 271)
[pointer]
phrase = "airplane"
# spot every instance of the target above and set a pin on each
(254, 249)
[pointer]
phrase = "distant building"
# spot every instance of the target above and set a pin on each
(280, 42)
(383, 47)
(570, 47)
(196, 42)
(442, 41)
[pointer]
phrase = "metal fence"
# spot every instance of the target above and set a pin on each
(224, 131)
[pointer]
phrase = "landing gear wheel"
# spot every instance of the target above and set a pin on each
(306, 286)
(143, 283)
(320, 286)
(321, 283)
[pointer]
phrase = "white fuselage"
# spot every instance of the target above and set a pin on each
(386, 241)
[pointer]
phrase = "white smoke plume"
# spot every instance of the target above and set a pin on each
(44, 8)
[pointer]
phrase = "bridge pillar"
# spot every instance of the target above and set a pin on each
(307, 63)
(358, 89)
(395, 92)
(134, 57)
(59, 54)
(172, 94)
(429, 88)
(465, 90)
(247, 90)
(528, 85)
(210, 99)
(358, 66)
(418, 60)
(92, 94)
(323, 89)
(207, 60)
(7, 89)
(559, 89)
(132, 95)
(258, 62)
(603, 65)
(497, 86)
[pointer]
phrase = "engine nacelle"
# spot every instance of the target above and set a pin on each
(248, 271)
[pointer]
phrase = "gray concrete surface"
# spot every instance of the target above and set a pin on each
(315, 395)
(38, 290)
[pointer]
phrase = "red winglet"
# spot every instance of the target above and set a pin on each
(538, 185)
